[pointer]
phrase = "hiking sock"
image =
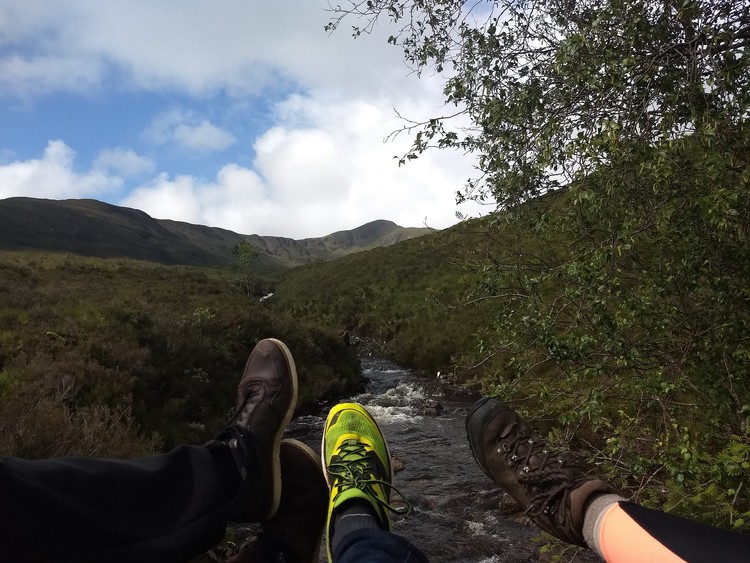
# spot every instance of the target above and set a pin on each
(593, 518)
(355, 515)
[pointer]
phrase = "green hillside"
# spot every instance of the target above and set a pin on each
(94, 228)
(428, 301)
(114, 357)
(407, 296)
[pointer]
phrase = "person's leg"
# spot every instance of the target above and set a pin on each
(559, 497)
(167, 507)
(161, 508)
(375, 545)
(357, 468)
(625, 531)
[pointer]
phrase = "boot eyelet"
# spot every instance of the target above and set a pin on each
(530, 441)
(514, 457)
(526, 469)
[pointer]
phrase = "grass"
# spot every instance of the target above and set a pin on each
(158, 348)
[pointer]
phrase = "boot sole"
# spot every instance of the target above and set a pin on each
(315, 459)
(275, 458)
(474, 408)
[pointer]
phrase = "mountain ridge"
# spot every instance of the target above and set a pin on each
(90, 227)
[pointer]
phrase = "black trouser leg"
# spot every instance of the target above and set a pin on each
(168, 507)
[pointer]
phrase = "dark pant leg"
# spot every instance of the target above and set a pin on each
(372, 545)
(168, 507)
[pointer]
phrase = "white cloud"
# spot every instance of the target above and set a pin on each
(188, 131)
(316, 173)
(124, 162)
(236, 195)
(302, 164)
(53, 176)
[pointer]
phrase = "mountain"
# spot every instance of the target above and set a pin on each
(93, 228)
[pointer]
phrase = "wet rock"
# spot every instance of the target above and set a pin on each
(430, 407)
(447, 377)
(237, 535)
(349, 339)
(307, 428)
(520, 555)
(396, 464)
(345, 338)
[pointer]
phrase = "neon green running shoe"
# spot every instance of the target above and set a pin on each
(357, 465)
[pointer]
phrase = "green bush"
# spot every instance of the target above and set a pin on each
(149, 355)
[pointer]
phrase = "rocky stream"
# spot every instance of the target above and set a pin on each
(458, 514)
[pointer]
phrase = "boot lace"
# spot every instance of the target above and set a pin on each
(354, 467)
(549, 476)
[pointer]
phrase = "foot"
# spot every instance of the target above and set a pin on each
(294, 533)
(266, 397)
(356, 465)
(552, 489)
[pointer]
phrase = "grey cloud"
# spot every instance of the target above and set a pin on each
(35, 76)
(124, 162)
(238, 46)
(188, 131)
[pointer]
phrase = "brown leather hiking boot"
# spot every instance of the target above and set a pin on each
(266, 397)
(293, 535)
(551, 489)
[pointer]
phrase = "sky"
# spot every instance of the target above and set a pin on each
(241, 114)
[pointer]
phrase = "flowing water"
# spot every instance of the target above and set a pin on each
(458, 514)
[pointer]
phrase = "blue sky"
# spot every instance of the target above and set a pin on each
(242, 114)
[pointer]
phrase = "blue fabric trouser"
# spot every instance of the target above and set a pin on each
(371, 545)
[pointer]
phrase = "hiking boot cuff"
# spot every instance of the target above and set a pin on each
(580, 498)
(562, 514)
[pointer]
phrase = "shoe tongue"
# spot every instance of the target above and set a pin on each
(248, 402)
(514, 429)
